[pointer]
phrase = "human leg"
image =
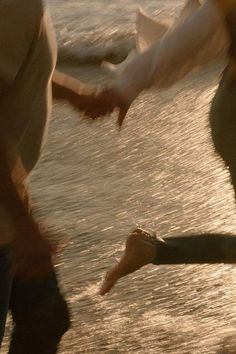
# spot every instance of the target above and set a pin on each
(223, 125)
(5, 286)
(7, 235)
(40, 316)
(144, 248)
(203, 248)
(39, 311)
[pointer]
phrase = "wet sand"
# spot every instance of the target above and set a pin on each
(95, 184)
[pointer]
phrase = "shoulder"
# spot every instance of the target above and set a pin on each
(20, 20)
(30, 10)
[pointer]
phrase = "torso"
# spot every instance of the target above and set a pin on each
(26, 104)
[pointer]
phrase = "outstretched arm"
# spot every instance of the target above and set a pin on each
(166, 62)
(66, 87)
(175, 55)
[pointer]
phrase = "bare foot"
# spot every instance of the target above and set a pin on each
(139, 251)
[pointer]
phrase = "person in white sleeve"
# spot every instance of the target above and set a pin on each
(201, 37)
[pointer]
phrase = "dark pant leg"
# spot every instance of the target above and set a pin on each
(210, 248)
(5, 286)
(196, 249)
(223, 125)
(39, 311)
(40, 316)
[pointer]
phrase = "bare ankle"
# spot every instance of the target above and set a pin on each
(142, 243)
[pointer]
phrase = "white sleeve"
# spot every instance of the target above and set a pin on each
(196, 41)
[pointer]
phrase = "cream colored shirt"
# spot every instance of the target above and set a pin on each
(27, 60)
(196, 40)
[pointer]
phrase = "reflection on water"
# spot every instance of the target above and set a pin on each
(102, 29)
(94, 184)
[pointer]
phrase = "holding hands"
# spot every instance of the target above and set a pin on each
(103, 103)
(94, 101)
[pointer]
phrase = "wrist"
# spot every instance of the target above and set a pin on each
(60, 91)
(125, 90)
(64, 86)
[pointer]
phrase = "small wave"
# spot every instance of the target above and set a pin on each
(113, 51)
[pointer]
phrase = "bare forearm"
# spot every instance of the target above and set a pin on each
(64, 85)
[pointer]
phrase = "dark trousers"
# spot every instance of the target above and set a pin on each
(210, 248)
(196, 249)
(5, 287)
(40, 314)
